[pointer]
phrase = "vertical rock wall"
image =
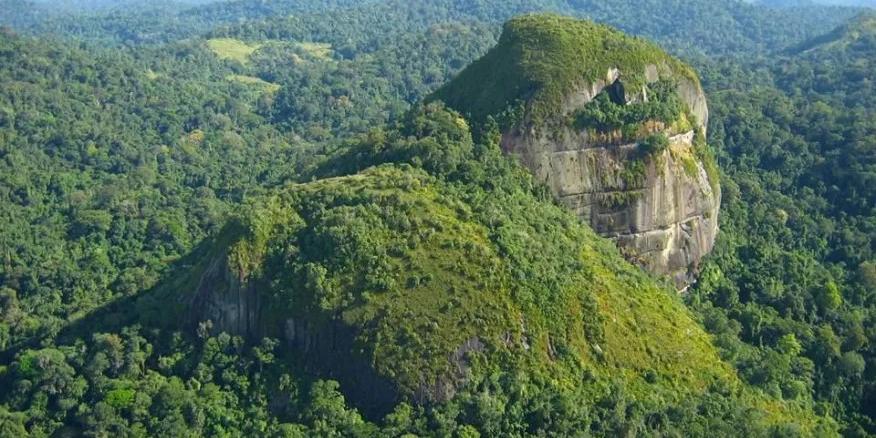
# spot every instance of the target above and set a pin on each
(665, 216)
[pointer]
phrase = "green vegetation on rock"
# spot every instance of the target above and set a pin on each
(541, 59)
(603, 114)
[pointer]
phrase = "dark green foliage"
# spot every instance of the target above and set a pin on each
(798, 228)
(106, 173)
(654, 144)
(336, 251)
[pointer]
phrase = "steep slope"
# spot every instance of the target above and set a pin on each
(441, 269)
(613, 125)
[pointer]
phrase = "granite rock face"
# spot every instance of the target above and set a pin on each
(665, 218)
(229, 301)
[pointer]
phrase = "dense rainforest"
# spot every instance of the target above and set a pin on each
(138, 142)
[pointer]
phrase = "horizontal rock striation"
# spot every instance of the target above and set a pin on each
(664, 214)
(589, 111)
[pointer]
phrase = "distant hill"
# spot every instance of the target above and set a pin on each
(795, 3)
(707, 27)
(98, 5)
(856, 32)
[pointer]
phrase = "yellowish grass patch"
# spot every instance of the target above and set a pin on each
(230, 48)
(266, 86)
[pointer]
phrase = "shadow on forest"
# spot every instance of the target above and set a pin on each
(164, 306)
(322, 351)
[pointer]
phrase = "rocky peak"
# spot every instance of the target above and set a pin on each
(613, 125)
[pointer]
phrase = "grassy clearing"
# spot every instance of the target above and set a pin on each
(321, 51)
(264, 86)
(240, 51)
(233, 49)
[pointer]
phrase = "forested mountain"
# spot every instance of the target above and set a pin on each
(796, 3)
(163, 166)
(87, 5)
(699, 26)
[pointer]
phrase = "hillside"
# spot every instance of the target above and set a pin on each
(859, 31)
(441, 275)
(424, 271)
(796, 257)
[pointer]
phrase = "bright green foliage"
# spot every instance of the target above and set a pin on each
(230, 48)
(258, 83)
(322, 51)
(829, 297)
(120, 398)
(789, 345)
(12, 424)
(540, 59)
(604, 114)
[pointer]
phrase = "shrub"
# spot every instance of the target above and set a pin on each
(653, 145)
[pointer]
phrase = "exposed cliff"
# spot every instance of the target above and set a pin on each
(613, 125)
